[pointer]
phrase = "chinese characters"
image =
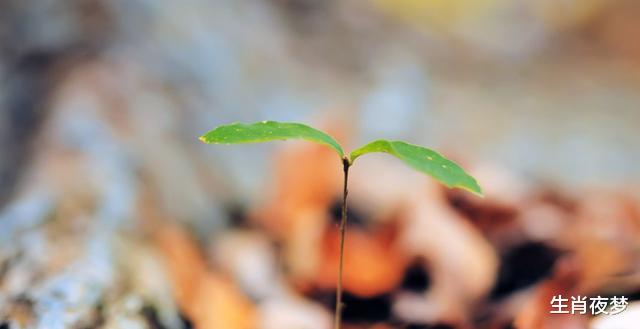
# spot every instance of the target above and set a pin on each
(582, 304)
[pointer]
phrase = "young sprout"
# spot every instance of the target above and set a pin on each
(417, 157)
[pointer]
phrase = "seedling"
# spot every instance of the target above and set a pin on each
(419, 158)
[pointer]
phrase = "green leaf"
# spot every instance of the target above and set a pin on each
(265, 131)
(425, 160)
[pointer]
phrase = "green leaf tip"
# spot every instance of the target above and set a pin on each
(424, 160)
(265, 131)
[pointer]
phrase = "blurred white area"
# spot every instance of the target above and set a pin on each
(546, 88)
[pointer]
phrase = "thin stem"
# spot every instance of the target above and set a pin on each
(343, 228)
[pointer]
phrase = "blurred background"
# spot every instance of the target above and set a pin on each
(114, 215)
